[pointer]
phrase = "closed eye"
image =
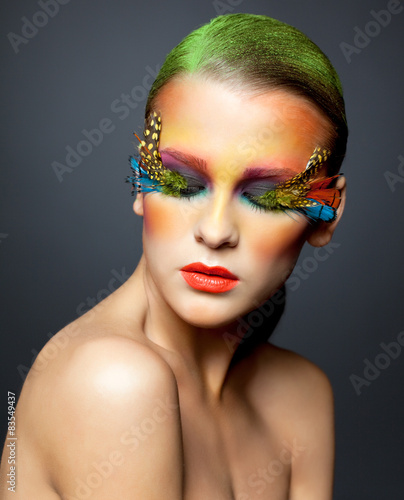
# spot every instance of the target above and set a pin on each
(182, 184)
(261, 195)
(255, 189)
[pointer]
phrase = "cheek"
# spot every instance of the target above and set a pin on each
(281, 241)
(161, 219)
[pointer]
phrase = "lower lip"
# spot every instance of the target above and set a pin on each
(208, 283)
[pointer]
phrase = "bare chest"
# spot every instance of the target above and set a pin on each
(235, 457)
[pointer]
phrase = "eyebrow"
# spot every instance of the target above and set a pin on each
(187, 159)
(249, 173)
(266, 173)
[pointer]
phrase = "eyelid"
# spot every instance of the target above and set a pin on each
(263, 184)
(187, 172)
(256, 192)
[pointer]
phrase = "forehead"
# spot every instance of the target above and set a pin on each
(206, 119)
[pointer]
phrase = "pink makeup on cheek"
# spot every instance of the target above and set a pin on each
(160, 219)
(150, 217)
(282, 241)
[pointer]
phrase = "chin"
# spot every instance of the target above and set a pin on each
(208, 312)
(204, 322)
(216, 311)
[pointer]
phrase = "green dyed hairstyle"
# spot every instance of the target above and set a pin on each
(258, 54)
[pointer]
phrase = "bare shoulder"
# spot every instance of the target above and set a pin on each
(98, 412)
(295, 398)
(280, 372)
(95, 367)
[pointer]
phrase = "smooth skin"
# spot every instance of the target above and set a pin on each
(136, 399)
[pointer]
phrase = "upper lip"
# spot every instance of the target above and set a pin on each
(198, 267)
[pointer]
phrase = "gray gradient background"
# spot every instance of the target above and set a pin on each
(66, 239)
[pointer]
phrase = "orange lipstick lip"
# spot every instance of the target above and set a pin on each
(214, 279)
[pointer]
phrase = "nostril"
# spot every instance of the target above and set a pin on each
(216, 226)
(216, 235)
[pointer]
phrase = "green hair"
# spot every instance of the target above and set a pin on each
(256, 53)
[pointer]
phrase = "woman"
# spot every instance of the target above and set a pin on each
(153, 393)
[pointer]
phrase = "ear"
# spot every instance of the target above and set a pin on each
(321, 235)
(138, 204)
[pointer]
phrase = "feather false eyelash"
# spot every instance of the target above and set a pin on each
(317, 199)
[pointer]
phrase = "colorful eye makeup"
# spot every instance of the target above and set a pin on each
(317, 199)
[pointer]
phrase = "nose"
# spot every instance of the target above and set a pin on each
(217, 226)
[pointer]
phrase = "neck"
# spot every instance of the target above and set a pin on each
(199, 357)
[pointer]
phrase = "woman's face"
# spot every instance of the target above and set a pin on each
(228, 144)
